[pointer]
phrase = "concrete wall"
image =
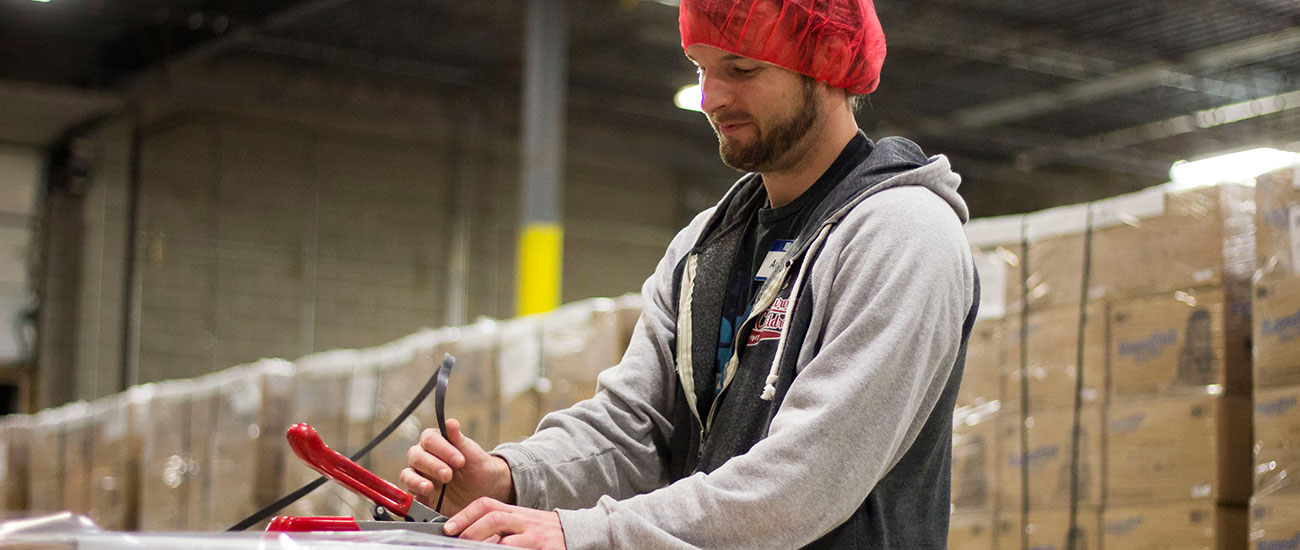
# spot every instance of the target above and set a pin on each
(282, 213)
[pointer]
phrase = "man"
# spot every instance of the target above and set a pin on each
(791, 380)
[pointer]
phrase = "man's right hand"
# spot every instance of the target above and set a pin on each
(468, 470)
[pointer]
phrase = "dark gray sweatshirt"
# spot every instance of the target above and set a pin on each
(850, 443)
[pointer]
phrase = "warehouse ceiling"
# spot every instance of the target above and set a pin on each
(1035, 101)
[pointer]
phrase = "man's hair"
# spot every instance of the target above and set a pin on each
(856, 101)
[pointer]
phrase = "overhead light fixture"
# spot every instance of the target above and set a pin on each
(1237, 167)
(690, 98)
(42, 1)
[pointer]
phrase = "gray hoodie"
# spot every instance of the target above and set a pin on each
(844, 441)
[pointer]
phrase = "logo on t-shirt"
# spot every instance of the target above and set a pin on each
(772, 324)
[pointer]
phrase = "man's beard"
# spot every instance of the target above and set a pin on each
(770, 146)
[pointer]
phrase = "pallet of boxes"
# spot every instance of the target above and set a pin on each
(1275, 504)
(1124, 416)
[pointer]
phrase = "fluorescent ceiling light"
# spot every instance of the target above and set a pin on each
(1236, 167)
(690, 98)
(42, 1)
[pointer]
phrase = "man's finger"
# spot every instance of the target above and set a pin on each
(471, 514)
(428, 465)
(431, 440)
(496, 522)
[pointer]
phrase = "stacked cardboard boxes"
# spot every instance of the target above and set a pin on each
(168, 471)
(1275, 504)
(117, 424)
(15, 437)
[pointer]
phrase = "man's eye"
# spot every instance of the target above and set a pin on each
(745, 71)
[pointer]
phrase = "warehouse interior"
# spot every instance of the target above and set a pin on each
(206, 200)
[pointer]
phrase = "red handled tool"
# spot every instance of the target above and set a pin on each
(394, 508)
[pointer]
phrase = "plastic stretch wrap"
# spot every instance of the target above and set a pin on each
(971, 531)
(1048, 457)
(1275, 522)
(118, 422)
(476, 383)
(1168, 238)
(1275, 332)
(1179, 342)
(1277, 441)
(1179, 449)
(1277, 224)
(975, 459)
(1052, 361)
(1047, 529)
(15, 437)
(1176, 525)
(168, 470)
(1055, 256)
(981, 379)
(579, 341)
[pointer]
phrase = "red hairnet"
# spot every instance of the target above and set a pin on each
(836, 41)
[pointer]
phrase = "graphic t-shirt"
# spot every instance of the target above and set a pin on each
(769, 235)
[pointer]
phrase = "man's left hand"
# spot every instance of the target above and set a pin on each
(491, 520)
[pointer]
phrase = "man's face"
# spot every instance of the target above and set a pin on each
(761, 113)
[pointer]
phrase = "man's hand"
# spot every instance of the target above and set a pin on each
(493, 521)
(462, 464)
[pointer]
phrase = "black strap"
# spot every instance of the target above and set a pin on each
(439, 405)
(438, 380)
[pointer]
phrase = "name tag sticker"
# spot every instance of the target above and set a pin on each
(773, 259)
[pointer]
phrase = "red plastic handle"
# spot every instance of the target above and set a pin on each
(306, 443)
(290, 524)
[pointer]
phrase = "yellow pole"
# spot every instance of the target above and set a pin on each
(541, 257)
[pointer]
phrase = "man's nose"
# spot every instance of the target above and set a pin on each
(715, 94)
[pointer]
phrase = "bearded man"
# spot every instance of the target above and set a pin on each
(791, 380)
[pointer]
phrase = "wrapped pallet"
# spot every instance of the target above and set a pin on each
(975, 459)
(1049, 529)
(981, 379)
(1275, 332)
(241, 464)
(1049, 457)
(1201, 525)
(971, 531)
(579, 341)
(168, 469)
(1171, 449)
(519, 369)
(1275, 522)
(77, 435)
(1052, 363)
(1277, 441)
(478, 403)
(1054, 257)
(45, 462)
(118, 422)
(398, 384)
(1277, 224)
(1179, 342)
(15, 437)
(1169, 238)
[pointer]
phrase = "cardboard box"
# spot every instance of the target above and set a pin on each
(76, 433)
(1055, 275)
(1275, 331)
(975, 462)
(1277, 441)
(971, 531)
(15, 437)
(981, 380)
(168, 472)
(1048, 529)
(477, 351)
(117, 423)
(1274, 522)
(1176, 525)
(1049, 458)
(1053, 356)
(321, 393)
(1191, 448)
(1277, 224)
(45, 462)
(1164, 239)
(1179, 342)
